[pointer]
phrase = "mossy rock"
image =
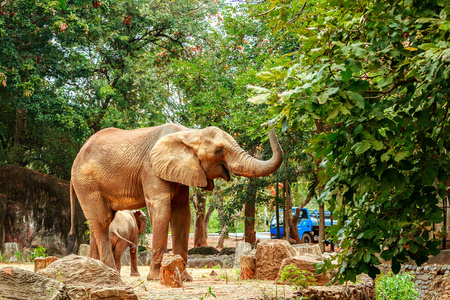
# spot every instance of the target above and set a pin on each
(205, 250)
(228, 251)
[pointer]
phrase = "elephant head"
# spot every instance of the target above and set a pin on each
(196, 157)
(141, 220)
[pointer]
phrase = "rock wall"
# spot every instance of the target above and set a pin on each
(431, 280)
(36, 211)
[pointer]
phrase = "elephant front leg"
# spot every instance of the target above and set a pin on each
(160, 212)
(180, 223)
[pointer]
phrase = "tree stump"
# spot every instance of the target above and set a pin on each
(42, 262)
(172, 266)
(248, 267)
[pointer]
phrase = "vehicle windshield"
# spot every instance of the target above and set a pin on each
(303, 215)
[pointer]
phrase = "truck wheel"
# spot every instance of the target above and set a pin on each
(306, 238)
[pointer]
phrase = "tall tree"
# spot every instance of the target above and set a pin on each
(375, 72)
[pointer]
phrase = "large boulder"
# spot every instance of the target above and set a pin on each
(87, 276)
(20, 284)
(36, 211)
(10, 251)
(305, 263)
(303, 249)
(269, 256)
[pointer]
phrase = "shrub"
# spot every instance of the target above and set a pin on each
(38, 252)
(398, 287)
(294, 276)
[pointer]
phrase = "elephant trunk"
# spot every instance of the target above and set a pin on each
(243, 164)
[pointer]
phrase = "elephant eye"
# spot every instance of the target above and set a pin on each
(219, 151)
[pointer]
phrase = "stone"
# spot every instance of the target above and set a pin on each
(269, 256)
(144, 258)
(204, 250)
(10, 251)
(38, 211)
(172, 267)
(207, 262)
(228, 251)
(16, 283)
(42, 262)
(305, 263)
(361, 291)
(248, 267)
(88, 277)
(242, 248)
(83, 250)
(313, 249)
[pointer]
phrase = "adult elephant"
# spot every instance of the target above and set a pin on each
(123, 233)
(154, 167)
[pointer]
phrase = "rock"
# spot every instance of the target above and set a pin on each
(144, 258)
(10, 251)
(302, 249)
(172, 266)
(248, 267)
(204, 250)
(242, 248)
(207, 262)
(83, 250)
(38, 211)
(361, 291)
(305, 263)
(20, 284)
(269, 256)
(228, 251)
(42, 262)
(88, 277)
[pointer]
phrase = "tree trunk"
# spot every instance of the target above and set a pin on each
(199, 201)
(207, 217)
(287, 213)
(322, 227)
(292, 219)
(250, 213)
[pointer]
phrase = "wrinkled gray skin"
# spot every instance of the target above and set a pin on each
(123, 233)
(154, 167)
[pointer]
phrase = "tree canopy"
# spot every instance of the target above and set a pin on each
(358, 90)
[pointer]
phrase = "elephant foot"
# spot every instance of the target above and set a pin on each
(153, 275)
(186, 276)
(136, 274)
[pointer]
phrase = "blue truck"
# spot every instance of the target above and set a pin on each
(307, 224)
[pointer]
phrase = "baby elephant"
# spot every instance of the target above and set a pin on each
(123, 233)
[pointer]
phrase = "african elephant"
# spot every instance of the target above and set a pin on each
(123, 233)
(128, 169)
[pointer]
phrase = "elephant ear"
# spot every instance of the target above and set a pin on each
(173, 159)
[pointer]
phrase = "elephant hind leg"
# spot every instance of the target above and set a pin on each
(99, 217)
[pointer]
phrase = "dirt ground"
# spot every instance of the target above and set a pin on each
(222, 283)
(211, 283)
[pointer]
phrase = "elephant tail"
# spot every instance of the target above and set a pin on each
(72, 208)
(114, 231)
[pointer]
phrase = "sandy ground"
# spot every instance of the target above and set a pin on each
(222, 283)
(225, 284)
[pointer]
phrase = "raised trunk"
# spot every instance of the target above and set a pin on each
(243, 164)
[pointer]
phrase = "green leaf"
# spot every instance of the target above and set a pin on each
(362, 147)
(401, 155)
(259, 99)
(377, 145)
(429, 174)
(63, 4)
(356, 98)
(257, 89)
